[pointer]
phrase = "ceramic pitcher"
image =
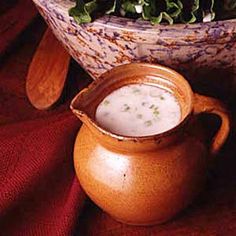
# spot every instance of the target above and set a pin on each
(145, 180)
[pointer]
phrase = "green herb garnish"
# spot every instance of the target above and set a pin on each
(106, 102)
(126, 107)
(106, 114)
(156, 112)
(148, 123)
(136, 91)
(139, 116)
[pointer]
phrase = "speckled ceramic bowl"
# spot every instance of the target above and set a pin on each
(111, 41)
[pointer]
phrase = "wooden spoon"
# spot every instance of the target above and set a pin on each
(47, 72)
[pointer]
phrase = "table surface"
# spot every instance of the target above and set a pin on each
(213, 213)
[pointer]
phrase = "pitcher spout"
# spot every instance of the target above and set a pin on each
(80, 107)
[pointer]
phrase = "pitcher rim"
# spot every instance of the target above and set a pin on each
(119, 137)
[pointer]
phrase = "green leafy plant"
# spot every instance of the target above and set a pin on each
(155, 11)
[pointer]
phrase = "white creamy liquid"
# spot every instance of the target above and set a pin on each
(138, 110)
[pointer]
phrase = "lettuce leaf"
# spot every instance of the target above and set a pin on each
(155, 11)
(208, 13)
(80, 13)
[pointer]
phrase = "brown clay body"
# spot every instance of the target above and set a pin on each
(144, 180)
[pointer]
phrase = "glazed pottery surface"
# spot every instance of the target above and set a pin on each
(144, 180)
(111, 41)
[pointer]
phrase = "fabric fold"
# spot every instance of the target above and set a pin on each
(40, 194)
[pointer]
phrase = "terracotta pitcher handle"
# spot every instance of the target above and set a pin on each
(203, 104)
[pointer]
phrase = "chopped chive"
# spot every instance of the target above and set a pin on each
(148, 123)
(144, 104)
(137, 91)
(162, 98)
(156, 112)
(139, 116)
(152, 106)
(106, 102)
(126, 107)
(106, 114)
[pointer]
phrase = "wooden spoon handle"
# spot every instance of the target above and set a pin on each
(47, 72)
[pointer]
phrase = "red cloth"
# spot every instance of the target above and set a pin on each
(39, 193)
